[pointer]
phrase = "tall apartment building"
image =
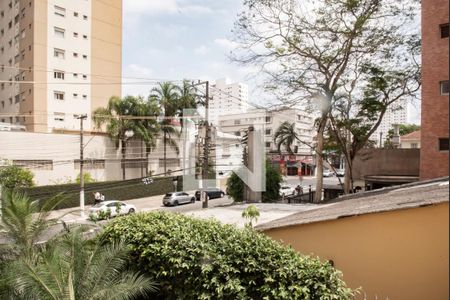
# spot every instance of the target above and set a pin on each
(227, 98)
(396, 114)
(58, 59)
(435, 89)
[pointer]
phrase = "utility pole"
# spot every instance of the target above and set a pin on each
(82, 118)
(206, 147)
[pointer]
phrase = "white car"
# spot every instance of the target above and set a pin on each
(112, 205)
(327, 173)
(286, 190)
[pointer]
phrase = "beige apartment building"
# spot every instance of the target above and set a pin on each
(58, 59)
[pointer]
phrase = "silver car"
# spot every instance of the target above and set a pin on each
(175, 198)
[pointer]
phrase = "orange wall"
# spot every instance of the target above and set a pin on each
(402, 254)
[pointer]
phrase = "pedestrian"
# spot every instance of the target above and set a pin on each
(97, 197)
(299, 189)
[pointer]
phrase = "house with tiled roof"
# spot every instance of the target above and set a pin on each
(410, 140)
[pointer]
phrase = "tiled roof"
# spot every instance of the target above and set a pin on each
(389, 199)
(415, 135)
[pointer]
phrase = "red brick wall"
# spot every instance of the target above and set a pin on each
(435, 123)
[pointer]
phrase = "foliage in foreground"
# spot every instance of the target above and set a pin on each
(68, 266)
(204, 259)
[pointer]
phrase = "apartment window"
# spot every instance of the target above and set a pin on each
(22, 34)
(84, 97)
(75, 14)
(58, 75)
(59, 53)
(2, 49)
(17, 119)
(267, 144)
(75, 75)
(2, 13)
(75, 34)
(444, 30)
(237, 122)
(85, 56)
(268, 119)
(268, 131)
(59, 32)
(16, 19)
(10, 43)
(237, 133)
(2, 32)
(85, 17)
(58, 117)
(443, 144)
(60, 11)
(84, 76)
(3, 106)
(75, 54)
(16, 98)
(34, 164)
(3, 85)
(445, 88)
(10, 25)
(75, 96)
(414, 145)
(59, 95)
(84, 36)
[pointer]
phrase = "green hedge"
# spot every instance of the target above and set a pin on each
(204, 259)
(113, 190)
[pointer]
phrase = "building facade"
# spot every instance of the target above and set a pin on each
(227, 98)
(58, 61)
(297, 163)
(435, 89)
(396, 114)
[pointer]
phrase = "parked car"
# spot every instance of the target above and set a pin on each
(176, 198)
(112, 205)
(327, 173)
(286, 190)
(340, 172)
(211, 192)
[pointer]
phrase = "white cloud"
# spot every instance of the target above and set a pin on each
(196, 9)
(226, 43)
(202, 50)
(134, 70)
(150, 7)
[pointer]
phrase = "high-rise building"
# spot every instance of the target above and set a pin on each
(435, 89)
(58, 60)
(397, 113)
(227, 98)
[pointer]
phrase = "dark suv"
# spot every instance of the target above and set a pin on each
(212, 193)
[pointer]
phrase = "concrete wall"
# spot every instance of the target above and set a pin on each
(386, 162)
(434, 125)
(402, 254)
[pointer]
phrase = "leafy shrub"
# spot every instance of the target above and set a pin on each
(204, 259)
(235, 187)
(12, 177)
(251, 213)
(87, 178)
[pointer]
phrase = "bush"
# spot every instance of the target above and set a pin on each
(235, 187)
(12, 177)
(204, 259)
(87, 178)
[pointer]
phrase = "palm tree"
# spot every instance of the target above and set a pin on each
(147, 128)
(188, 99)
(285, 136)
(73, 267)
(168, 97)
(118, 128)
(24, 221)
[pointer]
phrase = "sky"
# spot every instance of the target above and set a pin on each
(178, 39)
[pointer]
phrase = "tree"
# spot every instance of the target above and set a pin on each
(403, 130)
(168, 97)
(87, 178)
(285, 135)
(189, 98)
(118, 126)
(147, 129)
(235, 187)
(313, 52)
(12, 177)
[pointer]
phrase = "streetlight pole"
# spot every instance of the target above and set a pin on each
(82, 118)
